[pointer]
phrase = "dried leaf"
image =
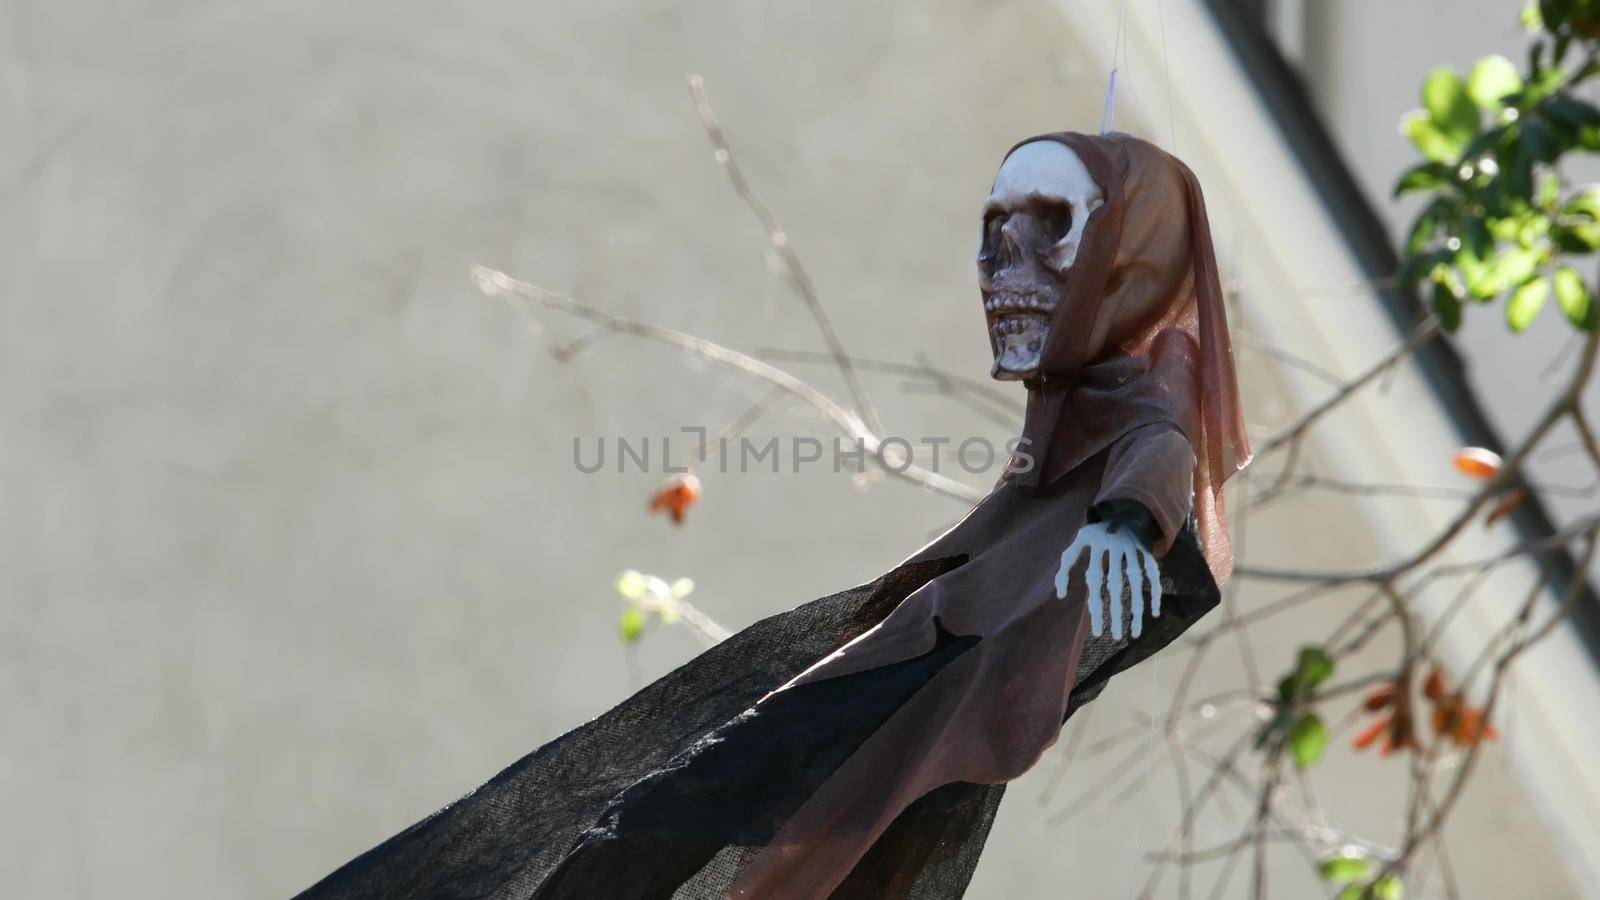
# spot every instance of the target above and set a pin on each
(1382, 696)
(1461, 723)
(1434, 686)
(1509, 501)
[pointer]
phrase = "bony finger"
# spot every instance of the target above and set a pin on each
(1067, 559)
(1152, 576)
(1136, 580)
(1094, 579)
(1115, 591)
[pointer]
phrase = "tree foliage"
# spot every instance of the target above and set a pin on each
(1499, 221)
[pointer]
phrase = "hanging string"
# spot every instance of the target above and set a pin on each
(1166, 71)
(1119, 47)
(1108, 115)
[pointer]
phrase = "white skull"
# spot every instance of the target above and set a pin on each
(1033, 225)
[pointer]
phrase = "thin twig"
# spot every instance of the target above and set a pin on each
(784, 250)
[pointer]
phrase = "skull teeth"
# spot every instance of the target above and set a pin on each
(1018, 303)
(1014, 324)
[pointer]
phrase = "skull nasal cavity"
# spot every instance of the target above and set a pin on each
(1010, 242)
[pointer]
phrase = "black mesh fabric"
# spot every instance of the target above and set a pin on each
(504, 839)
(1187, 594)
(665, 795)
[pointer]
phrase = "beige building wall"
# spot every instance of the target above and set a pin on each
(294, 549)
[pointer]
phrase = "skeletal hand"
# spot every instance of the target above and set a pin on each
(1106, 543)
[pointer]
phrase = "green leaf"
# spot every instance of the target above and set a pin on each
(1315, 666)
(1288, 688)
(1388, 888)
(1422, 177)
(1539, 141)
(1586, 203)
(1307, 739)
(632, 585)
(631, 625)
(1476, 240)
(1432, 143)
(1422, 231)
(1569, 109)
(1447, 305)
(1583, 238)
(1553, 13)
(1483, 142)
(1516, 174)
(1525, 304)
(1353, 892)
(1532, 230)
(1549, 192)
(1491, 79)
(1444, 96)
(1574, 298)
(1345, 869)
(1505, 272)
(1516, 265)
(1547, 82)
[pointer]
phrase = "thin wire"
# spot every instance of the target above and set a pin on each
(1155, 658)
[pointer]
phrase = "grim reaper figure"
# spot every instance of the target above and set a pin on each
(858, 746)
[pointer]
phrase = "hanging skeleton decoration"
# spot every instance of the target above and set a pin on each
(1033, 225)
(859, 745)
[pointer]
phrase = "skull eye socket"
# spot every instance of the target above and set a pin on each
(1057, 221)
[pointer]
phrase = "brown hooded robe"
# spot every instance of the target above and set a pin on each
(858, 746)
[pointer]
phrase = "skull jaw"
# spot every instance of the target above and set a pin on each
(1019, 343)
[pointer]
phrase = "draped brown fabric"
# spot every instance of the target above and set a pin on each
(858, 746)
(1141, 336)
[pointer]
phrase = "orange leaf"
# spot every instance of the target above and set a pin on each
(1370, 733)
(1477, 462)
(1472, 727)
(676, 496)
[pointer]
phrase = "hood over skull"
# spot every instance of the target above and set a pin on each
(1101, 294)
